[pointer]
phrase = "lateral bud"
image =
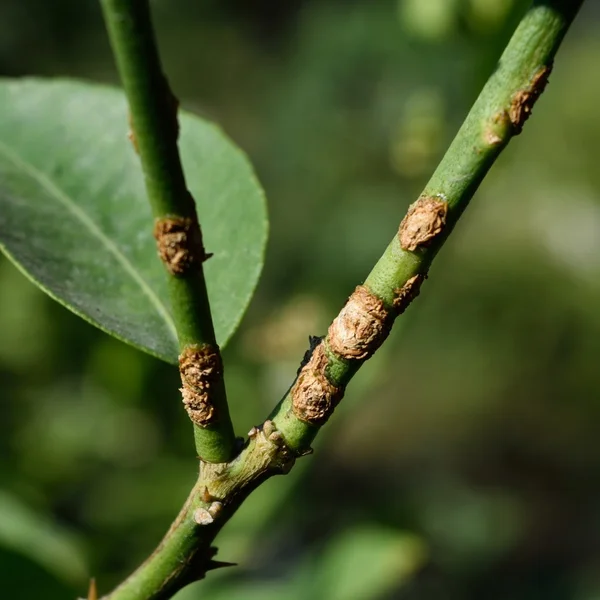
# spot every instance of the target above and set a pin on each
(206, 516)
(498, 129)
(268, 445)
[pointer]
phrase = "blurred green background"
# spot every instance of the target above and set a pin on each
(464, 462)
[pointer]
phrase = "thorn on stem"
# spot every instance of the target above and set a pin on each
(306, 452)
(206, 497)
(219, 564)
(92, 590)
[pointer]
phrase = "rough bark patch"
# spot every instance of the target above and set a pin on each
(424, 220)
(201, 369)
(179, 243)
(523, 100)
(408, 292)
(360, 328)
(314, 397)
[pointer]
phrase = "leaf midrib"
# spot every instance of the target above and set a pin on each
(63, 198)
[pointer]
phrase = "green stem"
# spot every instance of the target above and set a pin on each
(508, 96)
(185, 553)
(169, 568)
(496, 116)
(153, 117)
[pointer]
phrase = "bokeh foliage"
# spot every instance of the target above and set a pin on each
(464, 461)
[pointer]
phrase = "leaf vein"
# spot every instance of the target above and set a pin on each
(58, 194)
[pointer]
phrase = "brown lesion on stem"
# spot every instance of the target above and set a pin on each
(408, 292)
(522, 101)
(355, 334)
(361, 327)
(498, 129)
(314, 397)
(179, 243)
(425, 219)
(201, 369)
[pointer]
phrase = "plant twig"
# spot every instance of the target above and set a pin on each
(498, 114)
(154, 133)
(364, 323)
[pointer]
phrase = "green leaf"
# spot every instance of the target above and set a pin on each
(368, 562)
(246, 590)
(45, 543)
(74, 215)
(22, 577)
